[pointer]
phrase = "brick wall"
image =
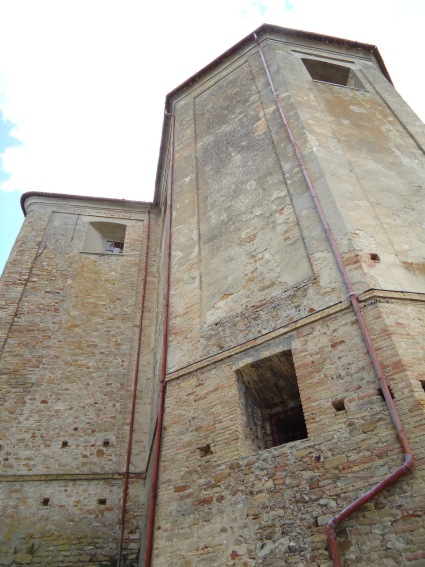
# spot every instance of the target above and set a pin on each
(231, 507)
(67, 381)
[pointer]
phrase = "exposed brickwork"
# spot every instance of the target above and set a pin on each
(67, 380)
(230, 505)
(254, 288)
(271, 508)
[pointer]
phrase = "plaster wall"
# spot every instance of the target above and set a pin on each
(253, 275)
(245, 232)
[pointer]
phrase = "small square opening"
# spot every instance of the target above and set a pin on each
(101, 501)
(381, 393)
(339, 405)
(45, 501)
(64, 444)
(205, 450)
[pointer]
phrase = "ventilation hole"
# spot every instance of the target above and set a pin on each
(339, 405)
(64, 444)
(45, 501)
(101, 501)
(106, 443)
(205, 451)
(375, 257)
(381, 393)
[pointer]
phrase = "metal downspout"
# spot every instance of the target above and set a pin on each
(160, 416)
(408, 456)
(133, 400)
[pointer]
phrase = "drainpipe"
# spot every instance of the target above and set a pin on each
(133, 400)
(162, 384)
(408, 456)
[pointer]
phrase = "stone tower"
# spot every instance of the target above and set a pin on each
(234, 374)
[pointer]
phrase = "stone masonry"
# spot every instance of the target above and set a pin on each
(274, 420)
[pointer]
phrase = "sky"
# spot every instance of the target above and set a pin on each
(83, 82)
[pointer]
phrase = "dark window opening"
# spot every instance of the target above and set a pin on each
(102, 501)
(106, 443)
(64, 444)
(332, 73)
(271, 405)
(45, 501)
(113, 247)
(288, 426)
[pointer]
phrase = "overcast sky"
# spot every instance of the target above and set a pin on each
(83, 82)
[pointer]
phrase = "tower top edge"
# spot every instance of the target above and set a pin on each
(106, 202)
(266, 29)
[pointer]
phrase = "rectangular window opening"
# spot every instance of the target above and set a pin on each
(104, 237)
(271, 405)
(332, 73)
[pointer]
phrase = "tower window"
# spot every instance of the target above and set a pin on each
(288, 425)
(326, 72)
(270, 400)
(104, 238)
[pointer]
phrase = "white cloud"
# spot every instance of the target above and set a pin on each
(85, 80)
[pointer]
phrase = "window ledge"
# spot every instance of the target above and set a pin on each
(102, 254)
(340, 86)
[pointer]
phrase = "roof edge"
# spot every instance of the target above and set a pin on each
(261, 30)
(66, 196)
(264, 28)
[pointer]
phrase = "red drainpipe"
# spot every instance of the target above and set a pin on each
(162, 385)
(408, 456)
(133, 401)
